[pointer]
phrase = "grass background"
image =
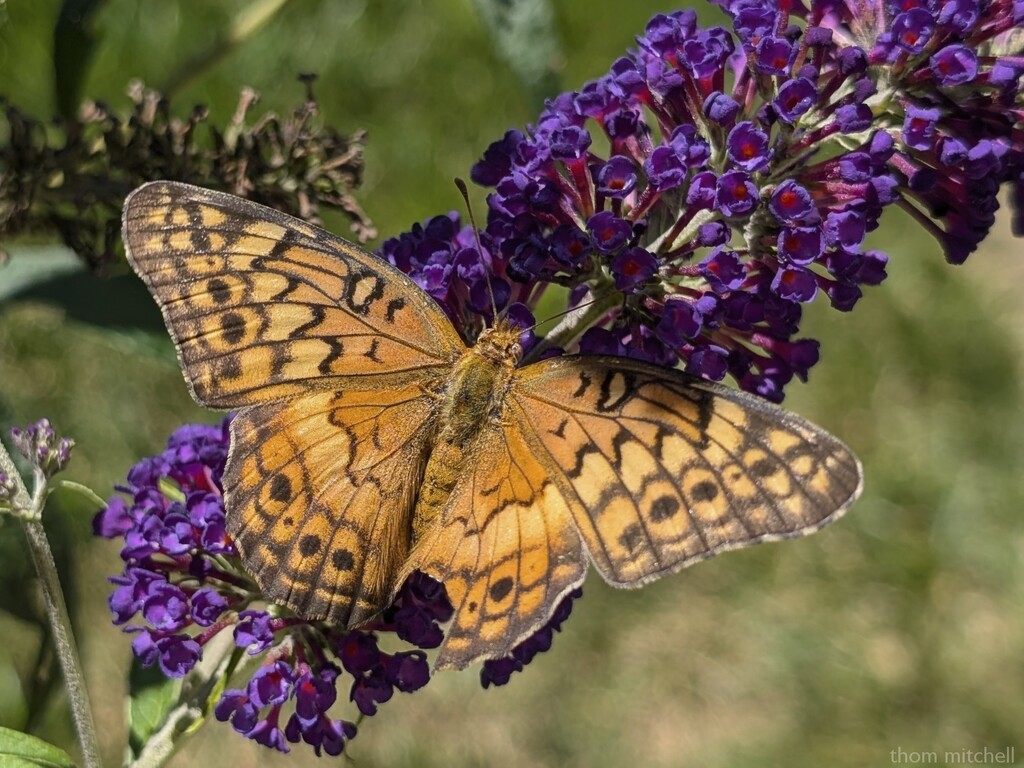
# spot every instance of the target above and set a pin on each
(899, 628)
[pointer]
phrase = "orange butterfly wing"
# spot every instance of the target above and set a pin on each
(320, 491)
(665, 470)
(263, 306)
(505, 547)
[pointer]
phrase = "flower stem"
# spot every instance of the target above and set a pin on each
(29, 509)
(84, 491)
(190, 711)
(578, 320)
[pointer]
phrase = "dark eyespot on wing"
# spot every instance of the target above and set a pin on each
(309, 545)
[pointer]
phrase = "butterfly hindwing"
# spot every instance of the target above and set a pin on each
(320, 492)
(505, 547)
(263, 306)
(666, 469)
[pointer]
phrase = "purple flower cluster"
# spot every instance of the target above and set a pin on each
(42, 447)
(183, 584)
(739, 173)
(443, 258)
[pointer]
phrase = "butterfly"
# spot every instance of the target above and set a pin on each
(370, 441)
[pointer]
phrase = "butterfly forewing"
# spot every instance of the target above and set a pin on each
(263, 306)
(667, 469)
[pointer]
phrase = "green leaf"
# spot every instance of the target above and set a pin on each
(73, 44)
(28, 267)
(151, 697)
(524, 32)
(19, 750)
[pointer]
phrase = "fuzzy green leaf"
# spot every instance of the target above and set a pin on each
(152, 696)
(19, 750)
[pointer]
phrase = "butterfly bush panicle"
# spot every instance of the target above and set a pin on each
(42, 447)
(46, 451)
(716, 180)
(183, 584)
(87, 164)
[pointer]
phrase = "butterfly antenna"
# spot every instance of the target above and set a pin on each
(479, 246)
(563, 313)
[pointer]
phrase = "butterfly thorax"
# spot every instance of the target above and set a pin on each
(472, 397)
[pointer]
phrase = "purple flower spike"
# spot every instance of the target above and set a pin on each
(174, 598)
(40, 444)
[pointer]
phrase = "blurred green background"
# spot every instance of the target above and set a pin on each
(899, 628)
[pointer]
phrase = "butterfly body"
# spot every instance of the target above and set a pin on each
(471, 398)
(370, 442)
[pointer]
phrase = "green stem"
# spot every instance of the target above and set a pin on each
(83, 491)
(29, 510)
(64, 640)
(244, 25)
(189, 712)
(577, 321)
(21, 498)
